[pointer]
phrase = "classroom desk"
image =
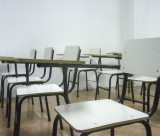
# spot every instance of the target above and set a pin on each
(108, 55)
(117, 56)
(64, 64)
(7, 58)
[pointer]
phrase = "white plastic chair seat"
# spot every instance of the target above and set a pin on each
(32, 90)
(95, 115)
(142, 79)
(110, 71)
(13, 80)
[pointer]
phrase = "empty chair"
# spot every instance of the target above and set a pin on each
(144, 80)
(138, 61)
(43, 90)
(4, 76)
(14, 81)
(93, 116)
(86, 70)
(110, 73)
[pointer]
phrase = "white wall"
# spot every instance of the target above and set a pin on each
(40, 23)
(57, 23)
(146, 18)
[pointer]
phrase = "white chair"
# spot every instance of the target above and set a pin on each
(145, 80)
(86, 70)
(139, 57)
(8, 74)
(14, 81)
(110, 73)
(93, 116)
(42, 90)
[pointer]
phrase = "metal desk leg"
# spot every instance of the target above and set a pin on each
(64, 69)
(27, 72)
(121, 99)
(74, 80)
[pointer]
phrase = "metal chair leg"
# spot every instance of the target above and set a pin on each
(9, 105)
(86, 80)
(78, 84)
(1, 88)
(32, 100)
(97, 87)
(132, 91)
(112, 131)
(40, 100)
(47, 107)
(144, 93)
(7, 100)
(109, 94)
(2, 91)
(18, 116)
(148, 97)
(58, 103)
(55, 124)
(71, 131)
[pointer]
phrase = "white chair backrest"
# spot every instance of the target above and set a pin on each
(48, 53)
(71, 53)
(95, 51)
(142, 57)
(33, 54)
